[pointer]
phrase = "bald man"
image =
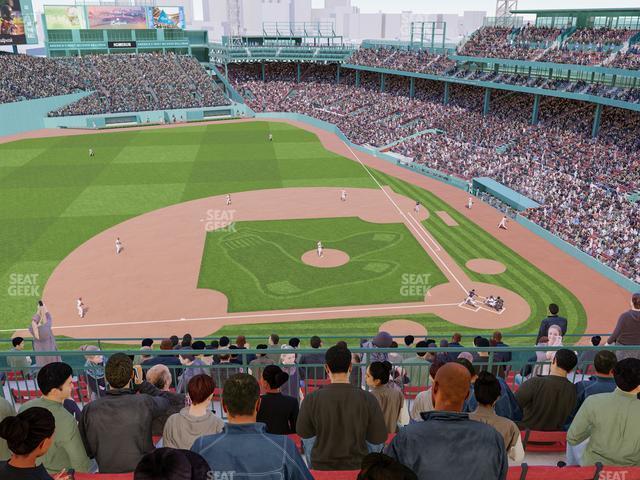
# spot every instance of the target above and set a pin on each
(159, 377)
(447, 444)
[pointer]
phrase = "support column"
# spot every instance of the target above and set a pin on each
(298, 72)
(613, 80)
(446, 93)
(338, 75)
(596, 120)
(536, 109)
(262, 70)
(357, 78)
(382, 82)
(412, 87)
(487, 100)
(15, 49)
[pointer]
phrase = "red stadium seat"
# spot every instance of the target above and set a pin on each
(24, 395)
(103, 476)
(335, 474)
(538, 441)
(16, 376)
(297, 440)
(217, 395)
(313, 384)
(410, 393)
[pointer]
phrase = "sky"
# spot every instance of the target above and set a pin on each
(458, 6)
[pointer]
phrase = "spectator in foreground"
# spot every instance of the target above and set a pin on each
(43, 339)
(116, 429)
(194, 366)
(424, 400)
(391, 400)
(196, 420)
(160, 377)
(378, 466)
(487, 390)
(172, 464)
(552, 319)
(587, 357)
(256, 365)
(274, 344)
(627, 331)
(277, 411)
(315, 358)
(602, 382)
(505, 405)
(19, 362)
(166, 345)
(6, 410)
(417, 368)
(448, 444)
(244, 447)
(611, 421)
(501, 357)
(339, 421)
(548, 401)
(29, 436)
(66, 451)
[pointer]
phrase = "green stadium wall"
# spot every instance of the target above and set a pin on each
(19, 117)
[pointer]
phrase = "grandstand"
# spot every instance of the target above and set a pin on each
(387, 243)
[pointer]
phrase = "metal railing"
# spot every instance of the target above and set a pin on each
(410, 373)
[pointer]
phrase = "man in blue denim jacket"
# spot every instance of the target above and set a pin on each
(448, 445)
(243, 448)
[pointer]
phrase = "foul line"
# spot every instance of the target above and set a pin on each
(444, 264)
(254, 315)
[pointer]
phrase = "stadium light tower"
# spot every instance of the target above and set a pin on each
(504, 7)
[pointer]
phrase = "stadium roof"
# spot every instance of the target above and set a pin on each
(630, 10)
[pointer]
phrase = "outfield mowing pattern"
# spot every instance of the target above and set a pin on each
(258, 266)
(53, 197)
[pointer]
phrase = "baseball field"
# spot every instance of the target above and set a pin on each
(61, 210)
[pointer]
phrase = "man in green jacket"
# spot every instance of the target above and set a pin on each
(611, 421)
(67, 451)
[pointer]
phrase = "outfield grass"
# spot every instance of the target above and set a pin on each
(258, 266)
(53, 197)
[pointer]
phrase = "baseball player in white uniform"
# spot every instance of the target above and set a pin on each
(118, 245)
(80, 307)
(470, 203)
(271, 137)
(343, 195)
(503, 223)
(320, 249)
(228, 199)
(91, 153)
(417, 207)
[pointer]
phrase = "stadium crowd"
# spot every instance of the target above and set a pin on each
(119, 83)
(156, 414)
(420, 61)
(585, 46)
(580, 182)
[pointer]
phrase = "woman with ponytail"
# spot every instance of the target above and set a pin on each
(29, 435)
(279, 412)
(390, 399)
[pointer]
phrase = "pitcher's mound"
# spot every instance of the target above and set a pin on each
(400, 328)
(483, 265)
(330, 258)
